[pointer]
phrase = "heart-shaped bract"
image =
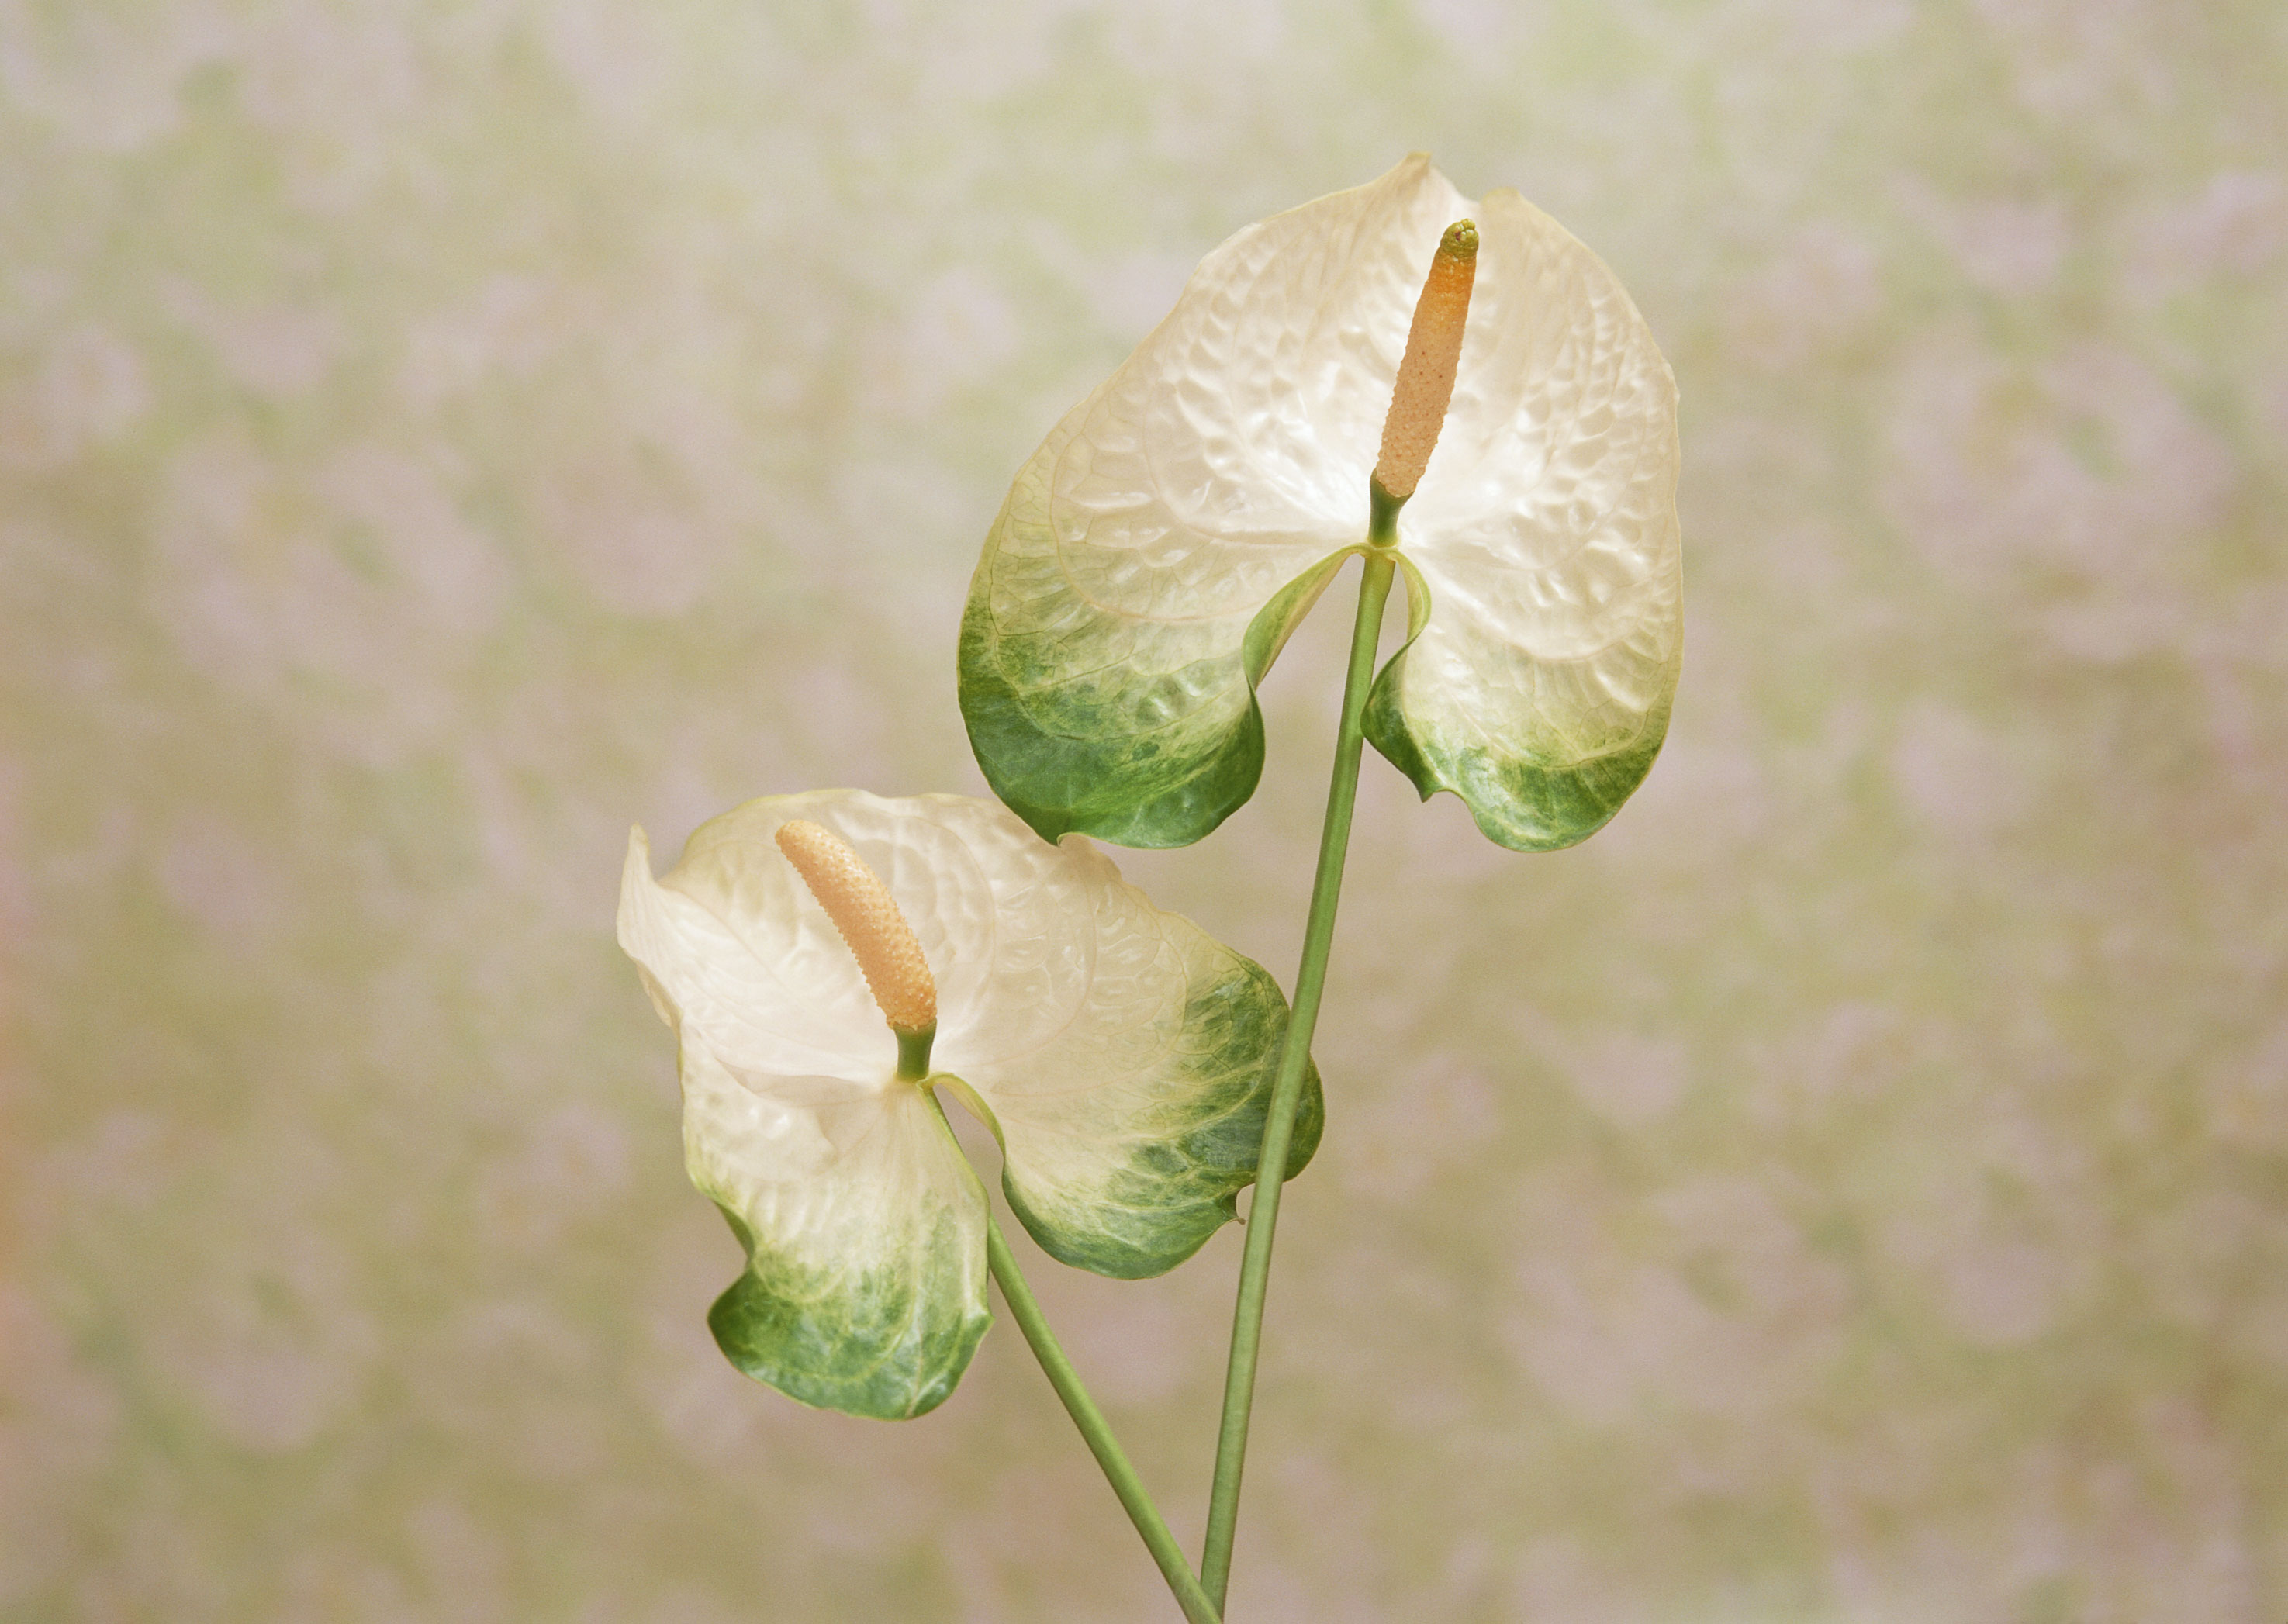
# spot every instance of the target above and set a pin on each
(1158, 549)
(1121, 1055)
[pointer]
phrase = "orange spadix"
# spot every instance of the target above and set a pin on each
(1426, 376)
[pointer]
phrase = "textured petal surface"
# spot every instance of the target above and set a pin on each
(1102, 674)
(980, 890)
(864, 1226)
(1129, 1073)
(1125, 1056)
(1857, 1192)
(729, 948)
(1546, 528)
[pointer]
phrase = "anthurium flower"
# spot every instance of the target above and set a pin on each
(1156, 550)
(1120, 1056)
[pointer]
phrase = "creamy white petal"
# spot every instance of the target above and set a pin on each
(1102, 669)
(1125, 1056)
(733, 949)
(864, 1228)
(1233, 448)
(1102, 662)
(1546, 530)
(1132, 1115)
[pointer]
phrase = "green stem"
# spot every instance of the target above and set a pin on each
(1287, 1093)
(1194, 1600)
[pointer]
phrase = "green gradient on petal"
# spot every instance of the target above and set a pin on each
(864, 1289)
(1519, 802)
(1150, 1205)
(1134, 746)
(887, 1342)
(1525, 800)
(1081, 753)
(1275, 621)
(1851, 1187)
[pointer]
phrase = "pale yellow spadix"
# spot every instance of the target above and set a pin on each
(888, 954)
(1121, 1055)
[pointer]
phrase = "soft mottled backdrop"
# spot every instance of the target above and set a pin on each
(432, 435)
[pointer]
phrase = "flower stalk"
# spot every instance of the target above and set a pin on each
(1419, 399)
(890, 957)
(1294, 1059)
(1190, 1596)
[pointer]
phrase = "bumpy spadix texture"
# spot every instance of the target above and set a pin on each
(1425, 373)
(1122, 1056)
(1155, 553)
(867, 917)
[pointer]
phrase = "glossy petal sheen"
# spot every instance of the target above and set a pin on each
(1102, 668)
(1126, 1058)
(1123, 1056)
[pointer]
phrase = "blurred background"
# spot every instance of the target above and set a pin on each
(437, 433)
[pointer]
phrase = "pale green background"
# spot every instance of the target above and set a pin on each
(1855, 1187)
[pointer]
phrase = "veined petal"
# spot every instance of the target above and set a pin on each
(1546, 530)
(1104, 675)
(727, 945)
(1123, 1057)
(1130, 1103)
(1233, 445)
(864, 1227)
(796, 975)
(1101, 670)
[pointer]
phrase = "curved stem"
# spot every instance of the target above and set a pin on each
(1194, 1600)
(1287, 1092)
